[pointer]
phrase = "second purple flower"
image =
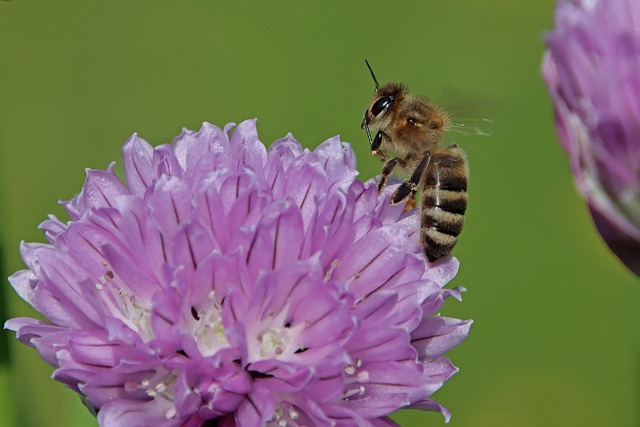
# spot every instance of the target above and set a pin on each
(592, 69)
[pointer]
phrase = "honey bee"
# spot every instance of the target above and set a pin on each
(412, 127)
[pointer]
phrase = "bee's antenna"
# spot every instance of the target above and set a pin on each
(372, 74)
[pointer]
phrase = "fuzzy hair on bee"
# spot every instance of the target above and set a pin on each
(411, 127)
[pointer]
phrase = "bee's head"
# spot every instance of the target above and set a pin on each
(384, 99)
(385, 96)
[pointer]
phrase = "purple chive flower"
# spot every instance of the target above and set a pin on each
(592, 69)
(233, 283)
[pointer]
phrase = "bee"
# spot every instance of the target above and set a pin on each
(412, 127)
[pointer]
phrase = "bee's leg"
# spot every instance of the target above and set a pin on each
(387, 169)
(408, 188)
(374, 143)
(377, 141)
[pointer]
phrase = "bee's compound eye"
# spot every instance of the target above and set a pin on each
(381, 104)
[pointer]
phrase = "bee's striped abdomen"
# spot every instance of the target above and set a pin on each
(444, 202)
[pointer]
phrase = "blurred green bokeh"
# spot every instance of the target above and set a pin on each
(554, 343)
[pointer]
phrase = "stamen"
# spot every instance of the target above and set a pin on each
(171, 413)
(209, 330)
(334, 264)
(278, 413)
(272, 342)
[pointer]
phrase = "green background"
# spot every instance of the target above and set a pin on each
(555, 337)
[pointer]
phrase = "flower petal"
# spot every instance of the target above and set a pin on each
(138, 157)
(437, 335)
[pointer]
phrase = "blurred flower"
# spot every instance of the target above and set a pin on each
(232, 283)
(592, 69)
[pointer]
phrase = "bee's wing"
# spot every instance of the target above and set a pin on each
(470, 114)
(473, 126)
